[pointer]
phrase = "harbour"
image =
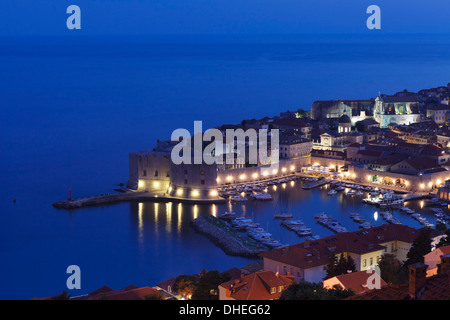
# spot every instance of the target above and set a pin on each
(355, 205)
(143, 239)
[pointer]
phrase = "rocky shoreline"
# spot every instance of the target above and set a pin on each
(228, 239)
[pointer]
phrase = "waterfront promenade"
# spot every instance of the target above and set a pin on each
(130, 195)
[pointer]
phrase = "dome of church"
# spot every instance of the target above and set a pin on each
(345, 119)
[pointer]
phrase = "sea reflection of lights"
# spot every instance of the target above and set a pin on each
(292, 183)
(156, 212)
(140, 221)
(168, 216)
(421, 204)
(180, 212)
(156, 216)
(195, 211)
(284, 185)
(275, 188)
(214, 210)
(375, 216)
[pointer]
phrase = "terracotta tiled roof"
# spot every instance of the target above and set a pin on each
(257, 286)
(167, 284)
(422, 163)
(134, 294)
(433, 170)
(444, 250)
(355, 145)
(357, 281)
(432, 150)
(234, 273)
(130, 292)
(370, 153)
(310, 254)
(389, 160)
(104, 289)
(437, 288)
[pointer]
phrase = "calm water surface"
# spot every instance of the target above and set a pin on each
(72, 109)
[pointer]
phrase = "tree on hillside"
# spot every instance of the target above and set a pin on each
(351, 266)
(420, 247)
(337, 267)
(207, 286)
(392, 270)
(330, 268)
(62, 296)
(185, 285)
(345, 265)
(301, 113)
(314, 291)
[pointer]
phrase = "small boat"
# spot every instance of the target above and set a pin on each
(291, 224)
(263, 196)
(332, 192)
(365, 225)
(320, 216)
(304, 233)
(273, 243)
(300, 228)
(260, 236)
(227, 216)
(359, 193)
(238, 198)
(356, 217)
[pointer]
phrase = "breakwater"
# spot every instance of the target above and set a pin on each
(229, 240)
(123, 197)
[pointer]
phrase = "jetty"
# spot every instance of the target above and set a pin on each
(229, 240)
(123, 197)
(329, 223)
(416, 196)
(315, 184)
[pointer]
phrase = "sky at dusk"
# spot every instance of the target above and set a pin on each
(242, 17)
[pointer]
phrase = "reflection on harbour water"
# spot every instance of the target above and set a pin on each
(172, 221)
(167, 246)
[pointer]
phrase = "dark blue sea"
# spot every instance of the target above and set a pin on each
(72, 108)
